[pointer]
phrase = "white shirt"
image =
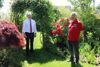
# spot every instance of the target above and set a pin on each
(26, 26)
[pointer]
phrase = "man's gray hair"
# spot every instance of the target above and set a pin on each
(29, 13)
(74, 14)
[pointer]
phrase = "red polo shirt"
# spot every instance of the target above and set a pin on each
(74, 29)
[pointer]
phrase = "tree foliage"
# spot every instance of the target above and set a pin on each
(64, 11)
(98, 7)
(0, 3)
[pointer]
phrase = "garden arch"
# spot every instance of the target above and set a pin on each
(43, 13)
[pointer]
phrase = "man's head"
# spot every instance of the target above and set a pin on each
(73, 15)
(29, 15)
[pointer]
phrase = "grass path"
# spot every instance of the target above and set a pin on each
(42, 58)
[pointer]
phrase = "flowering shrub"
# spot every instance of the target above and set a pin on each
(10, 36)
(59, 32)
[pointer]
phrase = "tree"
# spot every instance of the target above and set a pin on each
(98, 7)
(0, 3)
(64, 11)
(83, 7)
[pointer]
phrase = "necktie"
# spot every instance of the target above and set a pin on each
(30, 26)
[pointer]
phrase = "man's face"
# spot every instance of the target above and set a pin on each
(73, 17)
(30, 16)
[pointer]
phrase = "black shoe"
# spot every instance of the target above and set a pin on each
(27, 52)
(26, 55)
(77, 61)
(31, 51)
(72, 59)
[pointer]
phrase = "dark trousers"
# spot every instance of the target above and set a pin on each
(29, 42)
(74, 50)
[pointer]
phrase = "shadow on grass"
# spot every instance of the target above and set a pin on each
(15, 57)
(76, 65)
(42, 56)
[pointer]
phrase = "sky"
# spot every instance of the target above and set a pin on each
(6, 6)
(66, 3)
(60, 2)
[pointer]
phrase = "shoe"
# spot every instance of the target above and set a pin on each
(72, 59)
(77, 61)
(31, 51)
(27, 56)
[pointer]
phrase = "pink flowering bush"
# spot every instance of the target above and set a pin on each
(10, 35)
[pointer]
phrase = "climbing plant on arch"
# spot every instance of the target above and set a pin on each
(43, 13)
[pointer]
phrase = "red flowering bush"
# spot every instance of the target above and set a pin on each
(10, 36)
(59, 32)
(60, 27)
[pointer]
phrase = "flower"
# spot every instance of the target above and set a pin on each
(62, 20)
(54, 32)
(59, 31)
(64, 25)
(57, 25)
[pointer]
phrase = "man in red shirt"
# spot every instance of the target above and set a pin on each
(74, 29)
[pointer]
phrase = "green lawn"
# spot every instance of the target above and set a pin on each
(42, 58)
